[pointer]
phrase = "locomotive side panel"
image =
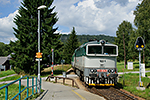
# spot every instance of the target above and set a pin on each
(79, 63)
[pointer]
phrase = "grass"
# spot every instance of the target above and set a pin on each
(57, 70)
(12, 91)
(6, 73)
(120, 66)
(131, 82)
(10, 78)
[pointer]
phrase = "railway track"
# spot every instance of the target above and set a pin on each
(110, 93)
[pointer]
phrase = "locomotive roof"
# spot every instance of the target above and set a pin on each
(95, 42)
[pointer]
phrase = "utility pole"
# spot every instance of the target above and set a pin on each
(52, 62)
(39, 54)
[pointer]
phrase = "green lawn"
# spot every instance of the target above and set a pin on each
(57, 70)
(10, 78)
(12, 91)
(120, 66)
(6, 73)
(131, 82)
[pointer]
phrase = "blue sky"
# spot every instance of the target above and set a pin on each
(91, 17)
(8, 6)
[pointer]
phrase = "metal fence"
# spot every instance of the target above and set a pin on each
(20, 91)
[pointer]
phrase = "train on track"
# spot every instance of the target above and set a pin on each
(95, 62)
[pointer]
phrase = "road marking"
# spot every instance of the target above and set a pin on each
(78, 95)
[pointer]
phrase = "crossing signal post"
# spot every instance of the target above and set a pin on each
(140, 45)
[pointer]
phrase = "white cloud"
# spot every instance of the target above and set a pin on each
(87, 16)
(60, 32)
(6, 31)
(95, 16)
(4, 1)
(134, 0)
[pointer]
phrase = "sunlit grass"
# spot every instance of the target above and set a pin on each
(57, 70)
(6, 73)
(131, 82)
(10, 78)
(14, 89)
(120, 67)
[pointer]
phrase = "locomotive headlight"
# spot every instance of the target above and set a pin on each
(109, 71)
(102, 42)
(93, 70)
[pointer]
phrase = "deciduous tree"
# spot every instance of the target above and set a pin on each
(142, 22)
(123, 37)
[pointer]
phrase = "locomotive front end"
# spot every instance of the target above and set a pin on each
(100, 64)
(95, 63)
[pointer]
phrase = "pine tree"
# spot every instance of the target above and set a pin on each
(26, 32)
(70, 46)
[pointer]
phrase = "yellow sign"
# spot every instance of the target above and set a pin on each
(38, 55)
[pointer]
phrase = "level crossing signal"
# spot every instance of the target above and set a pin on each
(38, 55)
(139, 44)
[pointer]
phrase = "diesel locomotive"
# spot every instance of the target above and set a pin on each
(95, 62)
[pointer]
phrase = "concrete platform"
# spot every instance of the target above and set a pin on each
(54, 91)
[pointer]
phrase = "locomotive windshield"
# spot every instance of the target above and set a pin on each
(109, 50)
(94, 49)
(98, 49)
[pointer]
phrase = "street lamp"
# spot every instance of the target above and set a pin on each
(39, 8)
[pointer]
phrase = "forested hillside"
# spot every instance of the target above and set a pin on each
(84, 38)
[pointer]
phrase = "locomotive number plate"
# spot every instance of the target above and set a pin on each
(101, 70)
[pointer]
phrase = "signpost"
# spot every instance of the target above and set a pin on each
(143, 70)
(130, 65)
(140, 45)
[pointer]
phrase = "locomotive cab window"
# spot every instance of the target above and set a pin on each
(111, 50)
(94, 49)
